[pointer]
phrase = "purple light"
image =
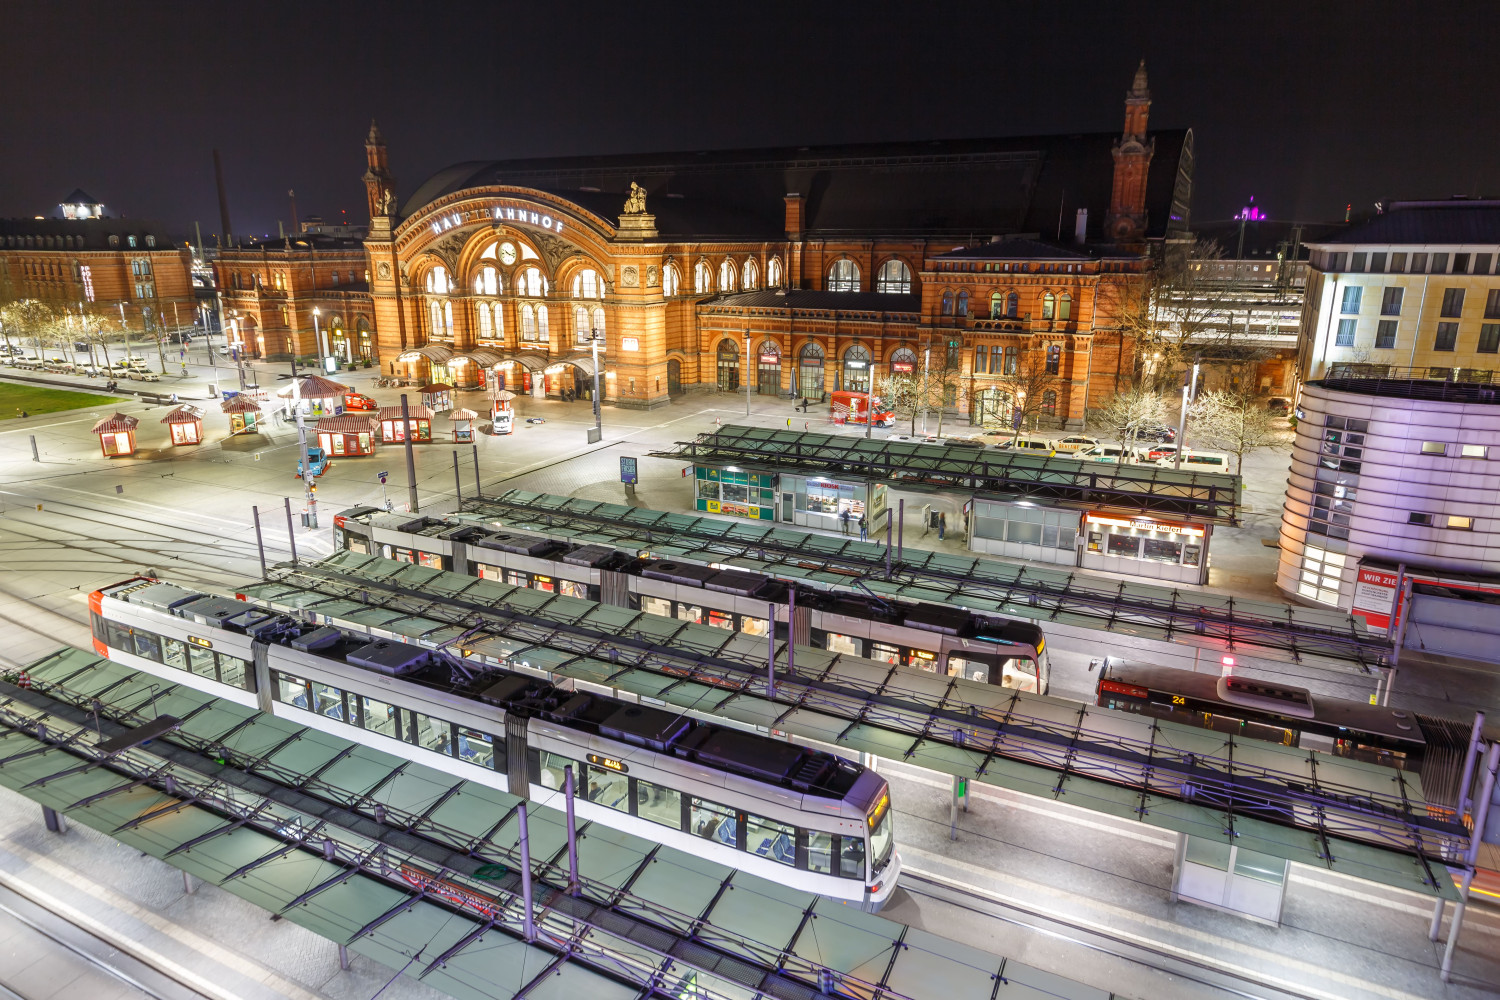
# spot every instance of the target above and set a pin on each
(1251, 212)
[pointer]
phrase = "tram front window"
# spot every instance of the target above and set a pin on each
(882, 833)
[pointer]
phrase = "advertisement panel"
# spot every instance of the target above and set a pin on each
(1375, 596)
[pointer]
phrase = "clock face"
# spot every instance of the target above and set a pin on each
(507, 253)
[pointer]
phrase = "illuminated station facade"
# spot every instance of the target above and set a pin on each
(799, 271)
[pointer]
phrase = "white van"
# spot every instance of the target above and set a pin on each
(1110, 453)
(1199, 461)
(1030, 445)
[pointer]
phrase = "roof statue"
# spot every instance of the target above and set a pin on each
(636, 203)
(387, 203)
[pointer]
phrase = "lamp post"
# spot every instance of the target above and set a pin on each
(598, 434)
(1188, 392)
(747, 372)
(322, 340)
(124, 326)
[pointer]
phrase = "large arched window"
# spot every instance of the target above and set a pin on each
(947, 303)
(810, 372)
(894, 278)
(596, 322)
(904, 362)
(857, 369)
(1049, 305)
(487, 282)
(773, 273)
(843, 276)
(531, 282)
(670, 280)
(541, 323)
(1012, 305)
(726, 276)
(962, 306)
(448, 319)
(528, 322)
(750, 277)
(438, 282)
(587, 284)
(580, 324)
(499, 325)
(1065, 307)
(703, 280)
(486, 327)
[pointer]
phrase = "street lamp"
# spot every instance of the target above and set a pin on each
(126, 327)
(322, 341)
(597, 434)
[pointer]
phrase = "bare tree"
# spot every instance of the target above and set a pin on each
(31, 317)
(1027, 387)
(902, 392)
(944, 381)
(1237, 422)
(1127, 413)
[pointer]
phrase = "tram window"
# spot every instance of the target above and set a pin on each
(659, 804)
(721, 619)
(712, 821)
(385, 551)
(490, 572)
(235, 672)
(98, 627)
(923, 660)
(290, 690)
(753, 626)
(1019, 674)
(360, 545)
(770, 839)
(885, 653)
(572, 588)
(119, 636)
(148, 645)
(431, 559)
(552, 765)
(609, 788)
(974, 670)
(851, 857)
(656, 606)
(820, 852)
(476, 748)
(434, 734)
(539, 582)
(402, 555)
(174, 653)
(201, 662)
(515, 578)
(690, 613)
(329, 701)
(377, 716)
(842, 644)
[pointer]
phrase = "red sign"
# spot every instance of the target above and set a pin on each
(1375, 596)
(1119, 687)
(770, 359)
(902, 366)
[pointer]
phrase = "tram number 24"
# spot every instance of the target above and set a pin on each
(1178, 699)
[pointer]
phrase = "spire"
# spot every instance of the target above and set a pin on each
(1138, 87)
(376, 139)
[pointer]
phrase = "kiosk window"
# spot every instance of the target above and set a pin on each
(1124, 545)
(1163, 549)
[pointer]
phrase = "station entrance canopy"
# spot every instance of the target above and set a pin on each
(415, 869)
(1043, 594)
(1361, 819)
(911, 465)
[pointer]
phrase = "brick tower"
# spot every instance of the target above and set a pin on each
(380, 186)
(1126, 221)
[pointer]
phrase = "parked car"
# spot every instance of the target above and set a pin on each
(359, 401)
(1199, 461)
(1279, 406)
(1157, 452)
(1156, 432)
(317, 461)
(143, 375)
(1076, 442)
(1111, 453)
(1030, 445)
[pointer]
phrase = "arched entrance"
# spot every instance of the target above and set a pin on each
(729, 366)
(992, 407)
(856, 371)
(365, 342)
(674, 377)
(338, 341)
(768, 370)
(810, 373)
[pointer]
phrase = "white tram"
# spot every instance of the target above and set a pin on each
(801, 817)
(935, 638)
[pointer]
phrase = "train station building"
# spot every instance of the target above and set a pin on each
(790, 272)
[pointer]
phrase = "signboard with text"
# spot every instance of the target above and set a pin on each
(628, 470)
(1375, 596)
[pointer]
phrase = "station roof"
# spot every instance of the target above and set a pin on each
(389, 857)
(1045, 594)
(1456, 222)
(1360, 819)
(1006, 475)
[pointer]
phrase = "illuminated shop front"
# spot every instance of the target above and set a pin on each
(1147, 547)
(736, 493)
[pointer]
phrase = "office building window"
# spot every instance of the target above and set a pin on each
(1489, 338)
(1458, 523)
(1460, 263)
(1377, 263)
(1357, 261)
(1321, 571)
(1447, 337)
(1492, 304)
(1425, 520)
(1054, 358)
(1453, 303)
(981, 360)
(1473, 451)
(1439, 263)
(1352, 295)
(1385, 334)
(1390, 301)
(1482, 263)
(1434, 448)
(1398, 263)
(1345, 335)
(1012, 360)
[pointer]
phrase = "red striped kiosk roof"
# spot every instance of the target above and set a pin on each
(116, 423)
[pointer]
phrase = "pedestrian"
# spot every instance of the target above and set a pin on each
(25, 414)
(863, 529)
(844, 521)
(926, 519)
(174, 399)
(942, 524)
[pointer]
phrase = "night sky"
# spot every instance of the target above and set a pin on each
(1306, 106)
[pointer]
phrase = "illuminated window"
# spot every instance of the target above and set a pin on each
(448, 318)
(487, 282)
(580, 324)
(541, 322)
(486, 327)
(1447, 336)
(947, 303)
(1012, 303)
(531, 282)
(702, 278)
(1352, 294)
(893, 278)
(997, 305)
(726, 276)
(1320, 575)
(773, 273)
(1065, 307)
(588, 285)
(1345, 335)
(1453, 302)
(843, 276)
(528, 322)
(1385, 334)
(670, 280)
(1458, 523)
(1473, 451)
(750, 276)
(1049, 305)
(437, 281)
(1054, 358)
(499, 322)
(596, 323)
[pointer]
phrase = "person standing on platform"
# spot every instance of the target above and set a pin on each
(863, 529)
(942, 525)
(844, 522)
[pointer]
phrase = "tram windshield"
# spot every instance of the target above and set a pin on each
(882, 832)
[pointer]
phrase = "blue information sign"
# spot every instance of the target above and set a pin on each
(627, 470)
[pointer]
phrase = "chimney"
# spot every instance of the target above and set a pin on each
(223, 200)
(793, 216)
(1081, 227)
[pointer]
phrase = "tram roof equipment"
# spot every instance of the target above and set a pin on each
(1286, 802)
(399, 862)
(978, 584)
(1001, 474)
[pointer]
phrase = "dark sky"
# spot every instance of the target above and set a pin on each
(1307, 106)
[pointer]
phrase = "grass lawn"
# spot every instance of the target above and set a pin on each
(34, 399)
